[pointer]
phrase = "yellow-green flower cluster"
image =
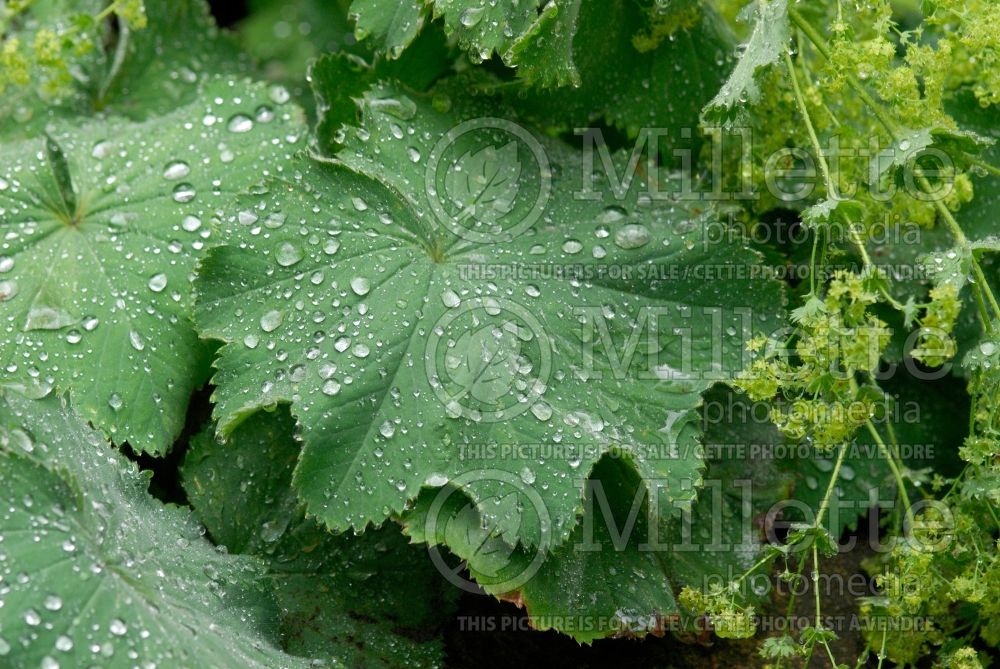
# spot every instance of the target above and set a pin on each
(816, 384)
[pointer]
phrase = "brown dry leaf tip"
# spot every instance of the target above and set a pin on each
(515, 598)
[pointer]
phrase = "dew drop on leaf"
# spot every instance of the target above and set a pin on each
(158, 282)
(632, 236)
(240, 123)
(184, 192)
(176, 169)
(270, 321)
(287, 254)
(360, 285)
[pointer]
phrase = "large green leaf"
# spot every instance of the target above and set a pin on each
(479, 27)
(368, 600)
(354, 292)
(101, 226)
(625, 77)
(620, 61)
(638, 553)
(137, 73)
(96, 572)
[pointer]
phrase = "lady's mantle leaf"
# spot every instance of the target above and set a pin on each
(101, 226)
(98, 573)
(357, 293)
(766, 45)
(638, 565)
(368, 600)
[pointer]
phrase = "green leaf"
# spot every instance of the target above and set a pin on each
(369, 600)
(953, 146)
(586, 61)
(136, 73)
(393, 25)
(638, 553)
(383, 385)
(96, 299)
(106, 575)
(558, 589)
(617, 79)
(765, 47)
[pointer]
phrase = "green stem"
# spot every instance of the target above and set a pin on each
(834, 476)
(824, 169)
(897, 474)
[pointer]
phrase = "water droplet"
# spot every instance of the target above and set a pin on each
(471, 16)
(436, 480)
(8, 289)
(611, 214)
(135, 339)
(191, 223)
(240, 123)
(279, 94)
(264, 114)
(541, 410)
(184, 192)
(331, 387)
(42, 317)
(572, 246)
(387, 429)
(158, 282)
(6, 264)
(270, 321)
(450, 299)
(117, 627)
(360, 285)
(176, 169)
(287, 254)
(102, 149)
(632, 236)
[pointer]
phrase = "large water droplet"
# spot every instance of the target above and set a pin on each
(135, 339)
(176, 169)
(471, 16)
(632, 236)
(287, 254)
(270, 321)
(240, 123)
(184, 192)
(158, 282)
(360, 285)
